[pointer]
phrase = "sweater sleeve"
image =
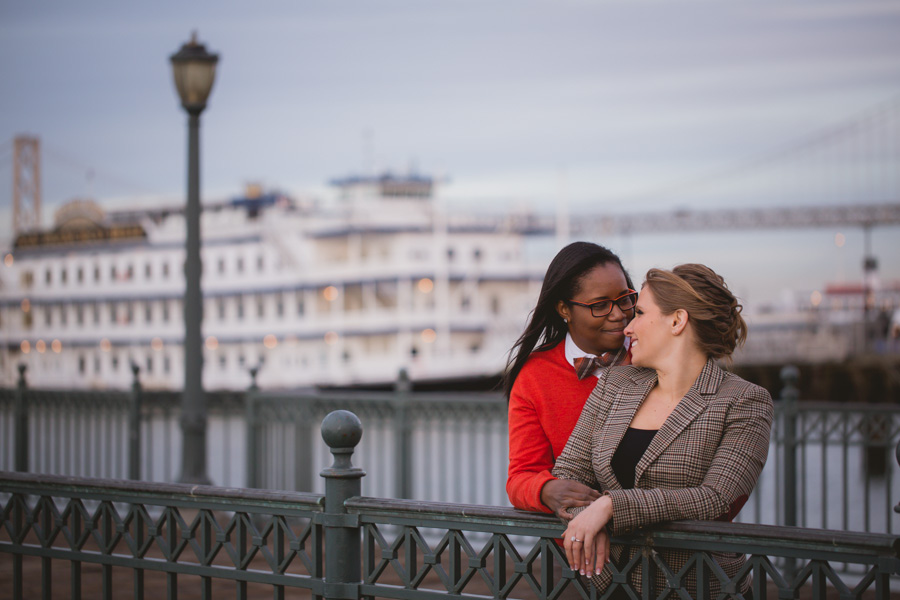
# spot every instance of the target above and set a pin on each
(731, 477)
(530, 454)
(575, 462)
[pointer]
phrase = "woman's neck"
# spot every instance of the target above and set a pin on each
(676, 378)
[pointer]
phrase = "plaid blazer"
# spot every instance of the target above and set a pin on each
(704, 460)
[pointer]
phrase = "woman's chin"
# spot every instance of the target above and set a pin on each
(613, 340)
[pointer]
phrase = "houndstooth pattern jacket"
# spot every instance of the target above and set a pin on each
(703, 461)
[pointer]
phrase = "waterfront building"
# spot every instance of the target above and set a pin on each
(344, 294)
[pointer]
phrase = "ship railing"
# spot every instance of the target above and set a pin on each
(79, 537)
(830, 466)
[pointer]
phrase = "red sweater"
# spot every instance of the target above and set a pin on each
(544, 405)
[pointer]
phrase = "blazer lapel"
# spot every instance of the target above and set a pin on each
(693, 403)
(626, 401)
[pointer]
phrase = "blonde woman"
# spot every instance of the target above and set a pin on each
(672, 437)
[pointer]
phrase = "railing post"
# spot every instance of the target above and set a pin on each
(897, 456)
(402, 437)
(790, 375)
(21, 423)
(342, 431)
(134, 425)
(789, 394)
(303, 449)
(250, 408)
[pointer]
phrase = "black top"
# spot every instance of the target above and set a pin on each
(632, 447)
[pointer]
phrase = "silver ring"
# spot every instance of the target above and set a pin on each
(575, 539)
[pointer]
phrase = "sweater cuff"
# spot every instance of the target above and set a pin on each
(536, 485)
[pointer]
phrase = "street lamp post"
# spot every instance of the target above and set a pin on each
(194, 70)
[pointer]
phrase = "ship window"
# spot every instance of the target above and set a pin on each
(79, 314)
(465, 303)
(96, 364)
(242, 361)
(495, 305)
(27, 279)
(129, 272)
(220, 305)
(477, 254)
(221, 265)
(450, 254)
(48, 316)
(300, 307)
(96, 313)
(79, 275)
(148, 312)
(165, 314)
(115, 363)
(279, 307)
(223, 362)
(48, 276)
(148, 271)
(149, 364)
(240, 308)
(96, 273)
(129, 312)
(112, 272)
(113, 312)
(240, 265)
(167, 364)
(260, 307)
(63, 277)
(81, 364)
(27, 320)
(165, 268)
(62, 314)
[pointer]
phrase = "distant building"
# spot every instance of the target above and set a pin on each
(844, 320)
(344, 295)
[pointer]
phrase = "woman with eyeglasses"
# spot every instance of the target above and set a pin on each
(674, 436)
(576, 330)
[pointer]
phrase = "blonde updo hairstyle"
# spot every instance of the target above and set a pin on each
(712, 309)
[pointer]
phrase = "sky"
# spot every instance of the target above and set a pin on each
(607, 105)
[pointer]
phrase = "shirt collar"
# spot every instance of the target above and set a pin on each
(573, 351)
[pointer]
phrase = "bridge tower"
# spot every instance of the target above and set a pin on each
(26, 184)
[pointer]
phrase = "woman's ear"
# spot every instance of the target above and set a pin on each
(563, 310)
(679, 320)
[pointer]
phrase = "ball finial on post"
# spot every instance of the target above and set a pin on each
(341, 429)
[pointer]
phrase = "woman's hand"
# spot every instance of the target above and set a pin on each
(560, 494)
(586, 541)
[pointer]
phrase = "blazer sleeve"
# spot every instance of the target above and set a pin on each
(575, 462)
(732, 474)
(530, 455)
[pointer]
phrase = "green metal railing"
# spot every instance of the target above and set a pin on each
(829, 466)
(75, 538)
(426, 446)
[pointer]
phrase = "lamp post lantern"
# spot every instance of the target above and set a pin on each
(194, 70)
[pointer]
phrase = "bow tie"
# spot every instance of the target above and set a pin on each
(586, 365)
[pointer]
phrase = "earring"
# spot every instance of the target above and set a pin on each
(565, 320)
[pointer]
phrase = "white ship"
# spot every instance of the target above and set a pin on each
(348, 294)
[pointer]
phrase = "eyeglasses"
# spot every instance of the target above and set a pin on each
(602, 308)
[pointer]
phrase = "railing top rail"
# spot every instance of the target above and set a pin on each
(790, 540)
(389, 398)
(849, 407)
(161, 493)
